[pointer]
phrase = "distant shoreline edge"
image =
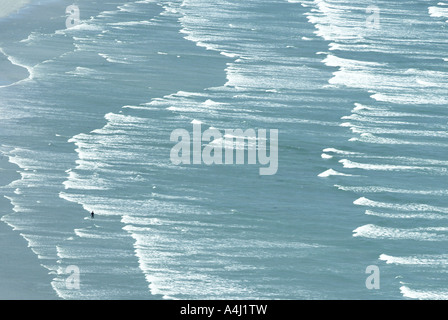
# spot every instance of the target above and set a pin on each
(10, 6)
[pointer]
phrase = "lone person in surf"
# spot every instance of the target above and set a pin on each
(92, 215)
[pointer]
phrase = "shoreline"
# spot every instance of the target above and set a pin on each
(22, 276)
(11, 72)
(8, 7)
(17, 283)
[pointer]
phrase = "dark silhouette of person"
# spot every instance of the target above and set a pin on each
(92, 215)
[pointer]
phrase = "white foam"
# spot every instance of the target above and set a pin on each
(371, 138)
(430, 260)
(381, 112)
(407, 98)
(382, 167)
(187, 94)
(363, 201)
(424, 215)
(377, 232)
(94, 234)
(425, 83)
(16, 62)
(123, 119)
(82, 26)
(116, 59)
(74, 181)
(229, 54)
(31, 37)
(423, 294)
(141, 220)
(338, 151)
(331, 172)
(81, 71)
(130, 23)
(334, 61)
(359, 107)
(438, 12)
(378, 189)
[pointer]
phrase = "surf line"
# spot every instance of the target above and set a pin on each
(227, 148)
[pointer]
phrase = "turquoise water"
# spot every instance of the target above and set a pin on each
(361, 114)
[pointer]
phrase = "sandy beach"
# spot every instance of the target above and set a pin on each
(9, 6)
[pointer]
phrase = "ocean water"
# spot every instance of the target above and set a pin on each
(359, 101)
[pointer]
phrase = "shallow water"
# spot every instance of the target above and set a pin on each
(362, 129)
